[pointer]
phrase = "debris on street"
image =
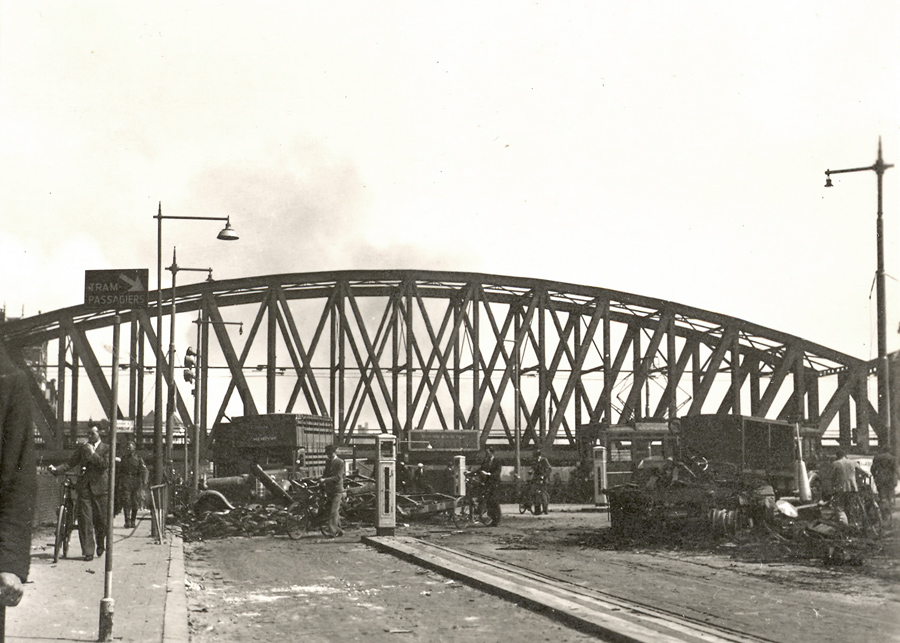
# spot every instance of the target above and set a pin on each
(706, 511)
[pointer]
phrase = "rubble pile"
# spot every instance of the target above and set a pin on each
(817, 534)
(214, 516)
(246, 520)
(812, 532)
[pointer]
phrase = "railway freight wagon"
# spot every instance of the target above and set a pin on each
(285, 445)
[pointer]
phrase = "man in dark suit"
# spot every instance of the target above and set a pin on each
(333, 479)
(18, 486)
(91, 459)
(490, 469)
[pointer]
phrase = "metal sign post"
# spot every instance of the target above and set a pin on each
(113, 289)
(107, 604)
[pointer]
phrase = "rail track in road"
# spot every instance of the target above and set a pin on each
(610, 617)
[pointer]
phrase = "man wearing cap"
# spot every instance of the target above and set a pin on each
(540, 478)
(132, 478)
(333, 479)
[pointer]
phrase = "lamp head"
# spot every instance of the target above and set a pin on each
(228, 233)
(828, 183)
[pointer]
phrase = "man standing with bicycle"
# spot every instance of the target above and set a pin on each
(333, 479)
(490, 470)
(540, 478)
(91, 459)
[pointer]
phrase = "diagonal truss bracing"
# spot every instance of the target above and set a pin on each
(412, 350)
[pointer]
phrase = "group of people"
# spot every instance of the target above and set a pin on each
(845, 475)
(90, 464)
(490, 470)
(410, 478)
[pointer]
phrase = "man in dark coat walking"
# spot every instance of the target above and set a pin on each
(18, 486)
(131, 481)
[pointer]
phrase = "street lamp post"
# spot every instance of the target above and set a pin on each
(170, 406)
(884, 396)
(517, 429)
(195, 365)
(226, 234)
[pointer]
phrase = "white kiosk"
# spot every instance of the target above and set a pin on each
(600, 482)
(459, 475)
(385, 485)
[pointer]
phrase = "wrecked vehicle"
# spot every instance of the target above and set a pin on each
(669, 495)
(730, 474)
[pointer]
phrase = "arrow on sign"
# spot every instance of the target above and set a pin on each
(135, 284)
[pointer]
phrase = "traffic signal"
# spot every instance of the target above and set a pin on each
(190, 364)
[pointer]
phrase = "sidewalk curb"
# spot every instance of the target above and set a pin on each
(175, 625)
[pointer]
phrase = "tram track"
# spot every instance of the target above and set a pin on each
(609, 617)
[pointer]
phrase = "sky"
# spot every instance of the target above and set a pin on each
(669, 149)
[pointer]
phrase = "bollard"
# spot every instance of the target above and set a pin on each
(107, 609)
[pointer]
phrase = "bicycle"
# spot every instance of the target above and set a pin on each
(864, 512)
(473, 505)
(309, 511)
(66, 519)
(534, 497)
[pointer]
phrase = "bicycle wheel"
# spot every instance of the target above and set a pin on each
(875, 520)
(463, 516)
(324, 527)
(61, 540)
(296, 521)
(69, 528)
(523, 507)
(484, 517)
(544, 499)
(456, 516)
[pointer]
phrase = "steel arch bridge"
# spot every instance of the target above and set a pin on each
(418, 350)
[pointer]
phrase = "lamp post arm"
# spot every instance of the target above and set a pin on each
(853, 169)
(175, 269)
(188, 218)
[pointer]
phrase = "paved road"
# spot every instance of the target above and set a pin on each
(264, 588)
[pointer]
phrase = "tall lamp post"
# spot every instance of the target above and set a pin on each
(517, 427)
(195, 363)
(884, 395)
(226, 234)
(170, 405)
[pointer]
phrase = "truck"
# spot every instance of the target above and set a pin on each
(723, 471)
(284, 445)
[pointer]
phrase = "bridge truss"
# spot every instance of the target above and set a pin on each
(415, 350)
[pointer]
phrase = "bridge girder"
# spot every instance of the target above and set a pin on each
(412, 350)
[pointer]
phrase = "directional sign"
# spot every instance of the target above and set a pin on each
(116, 288)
